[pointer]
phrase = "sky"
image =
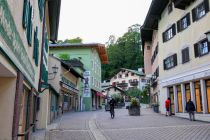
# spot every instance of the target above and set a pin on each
(95, 20)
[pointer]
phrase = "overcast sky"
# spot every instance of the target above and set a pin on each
(95, 20)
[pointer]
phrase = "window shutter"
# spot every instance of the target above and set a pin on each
(30, 26)
(164, 65)
(188, 19)
(196, 50)
(174, 29)
(194, 14)
(36, 47)
(187, 55)
(206, 4)
(178, 26)
(183, 56)
(175, 59)
(208, 46)
(163, 35)
(25, 14)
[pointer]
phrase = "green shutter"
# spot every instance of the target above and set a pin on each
(26, 8)
(30, 26)
(41, 8)
(36, 47)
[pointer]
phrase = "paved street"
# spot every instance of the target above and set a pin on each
(149, 126)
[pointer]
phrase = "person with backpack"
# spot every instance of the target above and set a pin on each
(112, 103)
(190, 108)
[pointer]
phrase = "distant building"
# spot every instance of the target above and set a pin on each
(92, 56)
(127, 78)
(174, 38)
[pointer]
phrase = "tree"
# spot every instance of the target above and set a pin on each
(125, 52)
(73, 40)
(64, 56)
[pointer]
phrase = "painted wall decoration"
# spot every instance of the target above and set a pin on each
(86, 76)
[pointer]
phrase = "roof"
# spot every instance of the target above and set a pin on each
(134, 71)
(68, 66)
(54, 17)
(100, 49)
(152, 18)
(110, 86)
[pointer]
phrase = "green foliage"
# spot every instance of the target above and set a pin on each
(134, 102)
(73, 40)
(123, 53)
(64, 56)
(117, 97)
(134, 92)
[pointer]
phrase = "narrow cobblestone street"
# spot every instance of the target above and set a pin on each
(149, 126)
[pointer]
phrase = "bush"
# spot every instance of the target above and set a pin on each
(134, 102)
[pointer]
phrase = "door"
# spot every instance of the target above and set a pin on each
(179, 96)
(171, 94)
(198, 97)
(187, 92)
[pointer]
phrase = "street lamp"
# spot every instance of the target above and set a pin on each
(54, 72)
(208, 35)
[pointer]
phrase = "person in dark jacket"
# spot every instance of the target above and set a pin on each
(190, 108)
(112, 103)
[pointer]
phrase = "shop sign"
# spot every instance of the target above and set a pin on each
(184, 78)
(86, 80)
(13, 40)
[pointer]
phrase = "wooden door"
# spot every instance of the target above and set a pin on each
(171, 94)
(198, 97)
(208, 94)
(187, 92)
(179, 95)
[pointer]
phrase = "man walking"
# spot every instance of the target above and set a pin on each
(167, 106)
(190, 108)
(112, 104)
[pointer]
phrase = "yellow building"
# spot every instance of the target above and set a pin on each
(24, 26)
(183, 53)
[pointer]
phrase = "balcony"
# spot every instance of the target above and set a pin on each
(134, 83)
(182, 4)
(121, 85)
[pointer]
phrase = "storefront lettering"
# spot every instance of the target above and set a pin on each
(12, 38)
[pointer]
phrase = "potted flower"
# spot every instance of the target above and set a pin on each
(155, 107)
(134, 108)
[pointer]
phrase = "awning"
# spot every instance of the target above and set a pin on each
(100, 94)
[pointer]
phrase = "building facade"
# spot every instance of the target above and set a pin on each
(23, 33)
(183, 53)
(92, 56)
(126, 79)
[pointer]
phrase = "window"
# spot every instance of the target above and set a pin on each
(179, 96)
(183, 23)
(170, 62)
(143, 80)
(201, 48)
(154, 55)
(126, 75)
(132, 74)
(170, 8)
(185, 55)
(198, 97)
(119, 76)
(115, 77)
(114, 83)
(169, 33)
(201, 10)
(148, 47)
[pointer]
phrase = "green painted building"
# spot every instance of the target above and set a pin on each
(92, 56)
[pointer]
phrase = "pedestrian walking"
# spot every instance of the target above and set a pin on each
(167, 106)
(112, 103)
(190, 108)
